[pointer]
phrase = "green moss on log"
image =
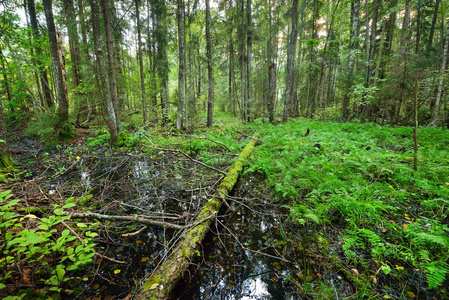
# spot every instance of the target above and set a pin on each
(161, 283)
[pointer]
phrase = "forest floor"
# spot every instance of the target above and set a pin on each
(332, 214)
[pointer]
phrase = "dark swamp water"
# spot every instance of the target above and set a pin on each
(253, 250)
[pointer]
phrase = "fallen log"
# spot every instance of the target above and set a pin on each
(136, 218)
(163, 279)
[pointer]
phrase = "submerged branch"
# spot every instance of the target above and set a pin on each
(163, 279)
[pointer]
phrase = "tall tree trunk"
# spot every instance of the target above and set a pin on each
(434, 22)
(379, 54)
(370, 40)
(102, 67)
(61, 88)
(5, 153)
(160, 15)
(436, 107)
(403, 52)
(111, 60)
(355, 26)
(35, 64)
(291, 52)
(139, 50)
(249, 45)
(210, 98)
(242, 61)
(5, 76)
(43, 72)
(69, 12)
(231, 72)
(271, 67)
(391, 25)
(418, 26)
(181, 63)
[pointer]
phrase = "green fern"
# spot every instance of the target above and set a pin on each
(435, 239)
(436, 272)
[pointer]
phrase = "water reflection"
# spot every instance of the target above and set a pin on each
(232, 271)
(85, 178)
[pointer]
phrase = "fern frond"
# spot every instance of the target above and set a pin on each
(436, 239)
(436, 272)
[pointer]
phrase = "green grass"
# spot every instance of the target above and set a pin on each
(359, 178)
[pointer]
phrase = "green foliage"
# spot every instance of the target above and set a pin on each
(360, 177)
(52, 251)
(49, 129)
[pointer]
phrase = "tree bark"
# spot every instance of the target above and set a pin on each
(142, 219)
(242, 61)
(291, 51)
(43, 72)
(112, 121)
(210, 99)
(249, 45)
(355, 17)
(142, 76)
(58, 68)
(69, 12)
(111, 61)
(436, 107)
(161, 283)
(5, 76)
(160, 13)
(403, 51)
(434, 22)
(271, 67)
(180, 14)
(5, 153)
(415, 129)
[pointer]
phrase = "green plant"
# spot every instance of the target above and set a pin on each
(48, 128)
(54, 254)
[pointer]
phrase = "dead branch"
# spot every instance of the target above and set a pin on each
(136, 218)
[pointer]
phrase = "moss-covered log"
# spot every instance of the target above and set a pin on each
(161, 283)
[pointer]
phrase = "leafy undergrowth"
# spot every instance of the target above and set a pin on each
(150, 172)
(386, 225)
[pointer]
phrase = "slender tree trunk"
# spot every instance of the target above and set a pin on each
(34, 61)
(355, 17)
(139, 50)
(210, 99)
(231, 73)
(69, 12)
(181, 63)
(434, 22)
(403, 51)
(291, 51)
(61, 88)
(391, 25)
(379, 54)
(271, 68)
(160, 15)
(5, 153)
(415, 129)
(436, 107)
(242, 61)
(249, 45)
(418, 26)
(101, 71)
(111, 60)
(5, 76)
(43, 72)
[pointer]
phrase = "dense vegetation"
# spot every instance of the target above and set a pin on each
(142, 105)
